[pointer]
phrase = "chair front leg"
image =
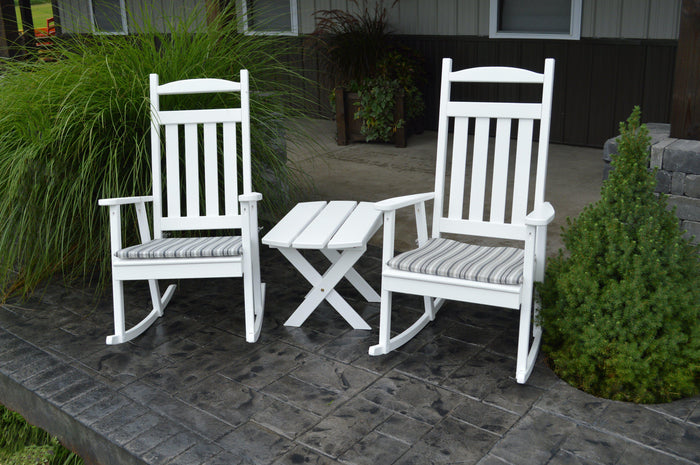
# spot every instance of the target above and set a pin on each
(253, 287)
(529, 333)
(386, 342)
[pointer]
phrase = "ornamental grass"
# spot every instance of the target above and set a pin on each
(75, 128)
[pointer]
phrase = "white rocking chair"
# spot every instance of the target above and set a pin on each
(192, 257)
(442, 268)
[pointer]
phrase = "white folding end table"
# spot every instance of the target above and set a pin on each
(338, 229)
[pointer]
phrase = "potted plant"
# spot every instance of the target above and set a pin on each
(376, 81)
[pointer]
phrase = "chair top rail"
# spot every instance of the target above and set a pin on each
(219, 115)
(198, 86)
(497, 74)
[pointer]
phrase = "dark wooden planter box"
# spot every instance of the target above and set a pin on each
(349, 127)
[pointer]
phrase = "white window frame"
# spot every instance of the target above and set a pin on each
(122, 11)
(293, 16)
(574, 25)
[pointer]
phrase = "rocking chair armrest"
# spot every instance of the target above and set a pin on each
(114, 205)
(540, 216)
(124, 200)
(395, 203)
(250, 197)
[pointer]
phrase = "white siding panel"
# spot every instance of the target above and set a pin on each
(467, 17)
(634, 18)
(607, 18)
(484, 6)
(428, 17)
(307, 20)
(136, 12)
(446, 20)
(588, 8)
(393, 16)
(664, 19)
(408, 17)
(75, 16)
(352, 7)
(340, 5)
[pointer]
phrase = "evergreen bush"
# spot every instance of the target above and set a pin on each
(76, 129)
(621, 309)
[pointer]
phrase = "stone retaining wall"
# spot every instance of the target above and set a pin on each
(678, 174)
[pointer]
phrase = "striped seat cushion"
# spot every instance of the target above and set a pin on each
(185, 247)
(445, 257)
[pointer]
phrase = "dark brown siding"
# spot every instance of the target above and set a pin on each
(597, 81)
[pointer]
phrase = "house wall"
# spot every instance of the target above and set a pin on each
(597, 81)
(627, 19)
(625, 57)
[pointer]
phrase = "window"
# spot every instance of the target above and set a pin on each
(535, 19)
(270, 17)
(108, 16)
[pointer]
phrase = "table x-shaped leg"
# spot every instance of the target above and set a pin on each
(324, 286)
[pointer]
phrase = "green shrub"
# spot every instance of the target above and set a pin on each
(77, 129)
(621, 311)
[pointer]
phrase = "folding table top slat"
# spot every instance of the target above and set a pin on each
(358, 228)
(293, 223)
(324, 226)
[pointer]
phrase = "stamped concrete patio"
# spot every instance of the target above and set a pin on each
(192, 391)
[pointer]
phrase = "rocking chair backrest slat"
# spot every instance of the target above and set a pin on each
(211, 172)
(481, 159)
(480, 154)
(459, 166)
(196, 144)
(499, 185)
(172, 169)
(521, 183)
(230, 163)
(191, 169)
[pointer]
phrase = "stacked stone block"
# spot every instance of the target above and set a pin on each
(678, 173)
